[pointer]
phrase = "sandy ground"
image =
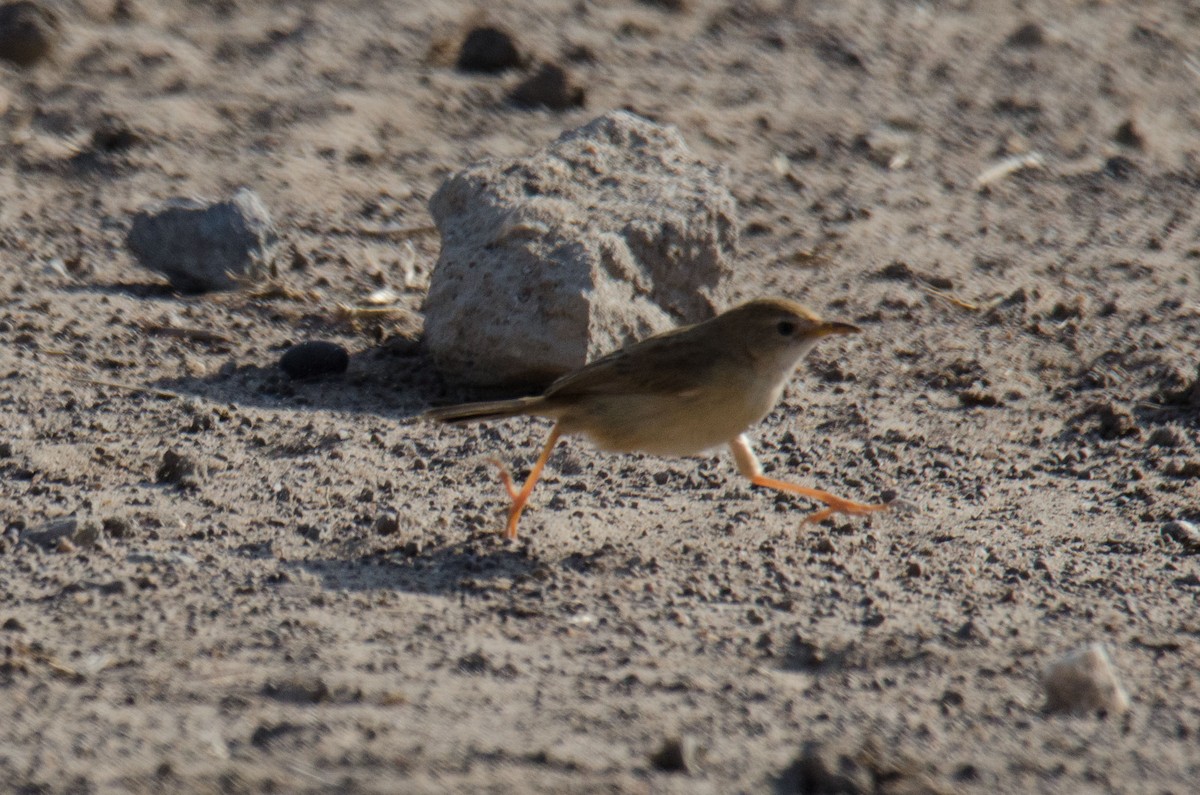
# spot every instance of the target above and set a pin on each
(1022, 381)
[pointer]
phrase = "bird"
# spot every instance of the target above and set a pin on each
(679, 393)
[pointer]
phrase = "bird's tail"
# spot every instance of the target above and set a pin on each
(487, 410)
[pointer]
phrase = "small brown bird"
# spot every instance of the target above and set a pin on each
(678, 394)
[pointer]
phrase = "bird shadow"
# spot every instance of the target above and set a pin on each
(471, 564)
(481, 564)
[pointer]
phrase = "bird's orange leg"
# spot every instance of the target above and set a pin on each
(747, 464)
(519, 498)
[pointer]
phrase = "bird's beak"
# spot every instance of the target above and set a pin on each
(835, 327)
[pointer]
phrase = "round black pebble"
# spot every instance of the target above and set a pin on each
(488, 49)
(314, 358)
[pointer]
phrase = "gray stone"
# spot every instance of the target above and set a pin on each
(51, 532)
(1084, 681)
(611, 233)
(201, 246)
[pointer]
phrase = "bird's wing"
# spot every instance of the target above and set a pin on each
(666, 364)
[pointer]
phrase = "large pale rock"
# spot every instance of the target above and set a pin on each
(201, 246)
(613, 232)
(1084, 681)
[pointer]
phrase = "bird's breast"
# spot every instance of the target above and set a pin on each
(682, 424)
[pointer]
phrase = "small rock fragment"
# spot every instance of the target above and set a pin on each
(474, 663)
(971, 398)
(1128, 134)
(267, 733)
(201, 246)
(676, 755)
(611, 233)
(488, 49)
(1084, 681)
(310, 532)
(825, 546)
(1166, 436)
(29, 32)
(550, 87)
(314, 358)
(387, 524)
(117, 527)
(1184, 533)
(51, 532)
(114, 134)
(179, 469)
(1185, 469)
(1028, 35)
(1114, 420)
(889, 146)
(87, 533)
(1180, 389)
(299, 690)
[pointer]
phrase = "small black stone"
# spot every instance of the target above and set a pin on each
(313, 359)
(1028, 35)
(178, 469)
(29, 32)
(488, 49)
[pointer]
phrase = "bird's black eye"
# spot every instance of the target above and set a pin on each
(785, 327)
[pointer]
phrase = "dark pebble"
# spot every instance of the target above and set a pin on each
(313, 359)
(178, 469)
(1128, 134)
(1028, 35)
(310, 532)
(387, 524)
(117, 527)
(28, 32)
(300, 690)
(488, 49)
(970, 398)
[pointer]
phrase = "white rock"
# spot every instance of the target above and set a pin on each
(1084, 681)
(613, 232)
